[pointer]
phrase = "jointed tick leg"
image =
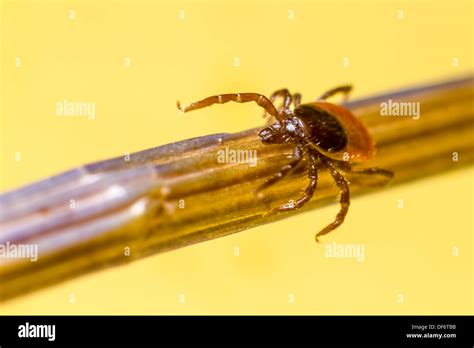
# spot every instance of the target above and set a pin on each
(261, 100)
(297, 157)
(346, 167)
(296, 99)
(308, 193)
(286, 101)
(341, 182)
(282, 93)
(341, 89)
(288, 98)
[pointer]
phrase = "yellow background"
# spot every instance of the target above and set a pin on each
(409, 265)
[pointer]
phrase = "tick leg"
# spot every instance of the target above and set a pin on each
(288, 98)
(308, 193)
(341, 89)
(341, 182)
(346, 167)
(261, 100)
(296, 99)
(285, 93)
(297, 157)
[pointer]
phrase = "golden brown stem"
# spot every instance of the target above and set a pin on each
(119, 210)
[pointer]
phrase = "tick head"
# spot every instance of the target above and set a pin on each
(285, 131)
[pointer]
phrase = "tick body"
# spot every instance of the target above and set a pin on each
(323, 133)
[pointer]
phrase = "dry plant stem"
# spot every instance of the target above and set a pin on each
(116, 211)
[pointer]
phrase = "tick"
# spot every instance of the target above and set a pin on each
(323, 133)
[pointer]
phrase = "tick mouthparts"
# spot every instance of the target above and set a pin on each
(265, 134)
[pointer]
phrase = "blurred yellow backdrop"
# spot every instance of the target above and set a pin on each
(133, 59)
